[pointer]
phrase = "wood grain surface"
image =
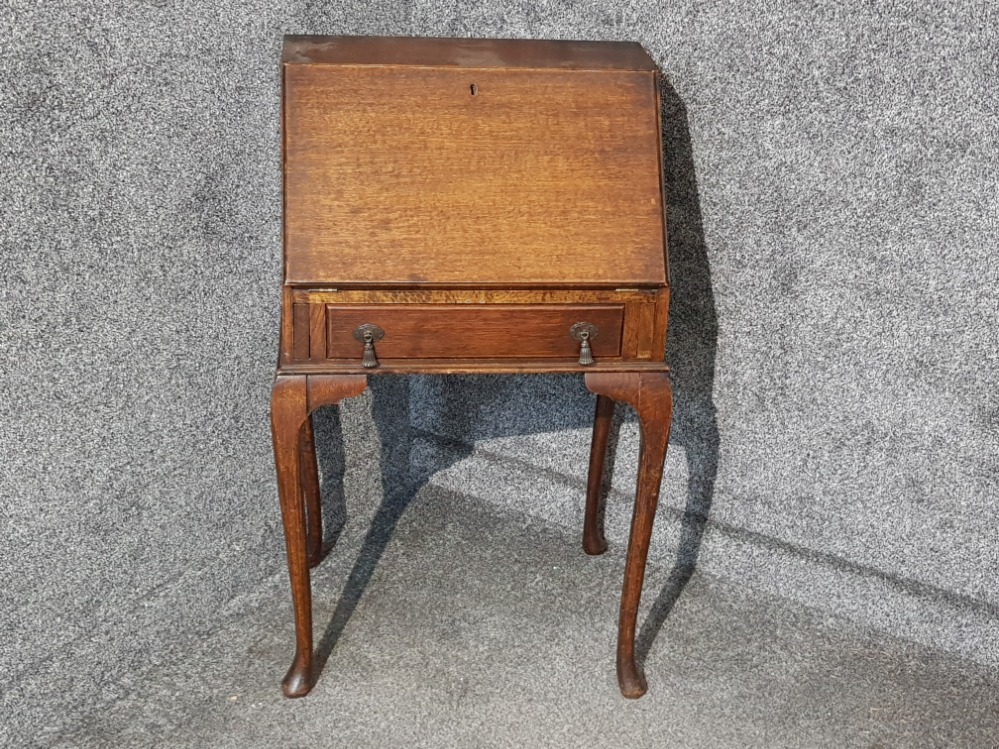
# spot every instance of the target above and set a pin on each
(465, 53)
(641, 337)
(403, 176)
(474, 331)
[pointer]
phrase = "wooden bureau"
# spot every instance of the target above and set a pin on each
(470, 206)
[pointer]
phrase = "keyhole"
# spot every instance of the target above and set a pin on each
(474, 89)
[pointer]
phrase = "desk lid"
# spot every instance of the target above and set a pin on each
(471, 163)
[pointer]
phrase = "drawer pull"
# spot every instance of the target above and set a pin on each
(368, 334)
(583, 332)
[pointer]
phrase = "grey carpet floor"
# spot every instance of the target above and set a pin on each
(477, 628)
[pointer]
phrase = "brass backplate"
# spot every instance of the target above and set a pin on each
(362, 330)
(577, 330)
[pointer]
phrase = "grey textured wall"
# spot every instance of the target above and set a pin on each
(833, 187)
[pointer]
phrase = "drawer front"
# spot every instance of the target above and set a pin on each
(474, 331)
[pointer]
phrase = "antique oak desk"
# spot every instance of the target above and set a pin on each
(470, 206)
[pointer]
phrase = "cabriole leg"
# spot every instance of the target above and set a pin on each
(289, 413)
(293, 398)
(593, 524)
(649, 393)
(311, 494)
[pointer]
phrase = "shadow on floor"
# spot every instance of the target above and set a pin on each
(400, 485)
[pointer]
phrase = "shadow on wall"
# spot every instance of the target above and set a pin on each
(472, 408)
(690, 350)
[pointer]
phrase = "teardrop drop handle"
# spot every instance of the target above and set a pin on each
(585, 355)
(368, 334)
(369, 360)
(583, 332)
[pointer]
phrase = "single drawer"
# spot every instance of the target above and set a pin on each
(474, 331)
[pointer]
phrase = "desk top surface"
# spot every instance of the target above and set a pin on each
(465, 53)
